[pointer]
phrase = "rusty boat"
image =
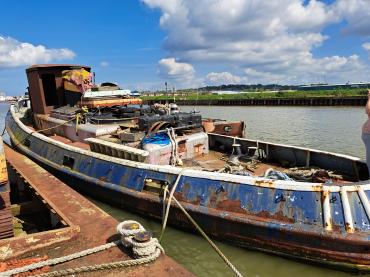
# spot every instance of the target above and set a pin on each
(291, 201)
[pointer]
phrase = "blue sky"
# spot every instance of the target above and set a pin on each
(124, 34)
(142, 44)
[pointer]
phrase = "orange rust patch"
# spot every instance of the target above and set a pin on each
(12, 264)
(230, 206)
(348, 227)
(324, 195)
(180, 198)
(277, 216)
(263, 183)
(317, 187)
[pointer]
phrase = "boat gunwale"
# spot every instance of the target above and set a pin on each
(338, 155)
(242, 180)
(234, 216)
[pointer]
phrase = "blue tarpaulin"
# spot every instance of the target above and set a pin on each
(159, 138)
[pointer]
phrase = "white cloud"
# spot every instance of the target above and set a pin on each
(219, 78)
(357, 16)
(178, 72)
(14, 53)
(254, 76)
(366, 46)
(104, 64)
(271, 41)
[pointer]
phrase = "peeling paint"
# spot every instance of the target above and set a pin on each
(5, 252)
(31, 240)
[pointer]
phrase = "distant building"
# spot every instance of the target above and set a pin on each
(226, 92)
(135, 93)
(334, 86)
(2, 96)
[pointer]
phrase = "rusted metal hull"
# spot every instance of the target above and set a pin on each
(327, 224)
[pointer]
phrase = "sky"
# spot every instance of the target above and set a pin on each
(141, 44)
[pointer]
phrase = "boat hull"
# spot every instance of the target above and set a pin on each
(241, 211)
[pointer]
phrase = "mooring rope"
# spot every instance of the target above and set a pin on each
(107, 266)
(144, 252)
(175, 159)
(167, 209)
(200, 230)
(46, 129)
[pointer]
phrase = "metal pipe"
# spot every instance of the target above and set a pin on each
(364, 200)
(346, 210)
(326, 209)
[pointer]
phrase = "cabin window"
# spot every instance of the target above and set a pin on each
(50, 89)
(68, 161)
(27, 142)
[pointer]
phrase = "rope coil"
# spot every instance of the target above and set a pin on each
(144, 252)
(128, 229)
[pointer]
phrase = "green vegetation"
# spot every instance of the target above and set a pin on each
(193, 95)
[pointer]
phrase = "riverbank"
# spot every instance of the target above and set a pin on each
(312, 101)
(348, 97)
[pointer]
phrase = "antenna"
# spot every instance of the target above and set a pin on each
(165, 83)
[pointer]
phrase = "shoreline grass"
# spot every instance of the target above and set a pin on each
(263, 95)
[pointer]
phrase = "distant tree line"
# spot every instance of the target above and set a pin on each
(256, 87)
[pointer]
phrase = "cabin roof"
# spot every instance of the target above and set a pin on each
(44, 66)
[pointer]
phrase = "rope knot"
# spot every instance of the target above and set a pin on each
(135, 236)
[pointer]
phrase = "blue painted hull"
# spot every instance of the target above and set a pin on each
(257, 214)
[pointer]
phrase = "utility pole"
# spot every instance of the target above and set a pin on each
(166, 93)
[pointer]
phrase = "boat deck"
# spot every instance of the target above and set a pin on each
(78, 144)
(216, 161)
(213, 161)
(85, 226)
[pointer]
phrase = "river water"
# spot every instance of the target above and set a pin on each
(336, 129)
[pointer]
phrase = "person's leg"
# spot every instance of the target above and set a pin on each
(366, 140)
